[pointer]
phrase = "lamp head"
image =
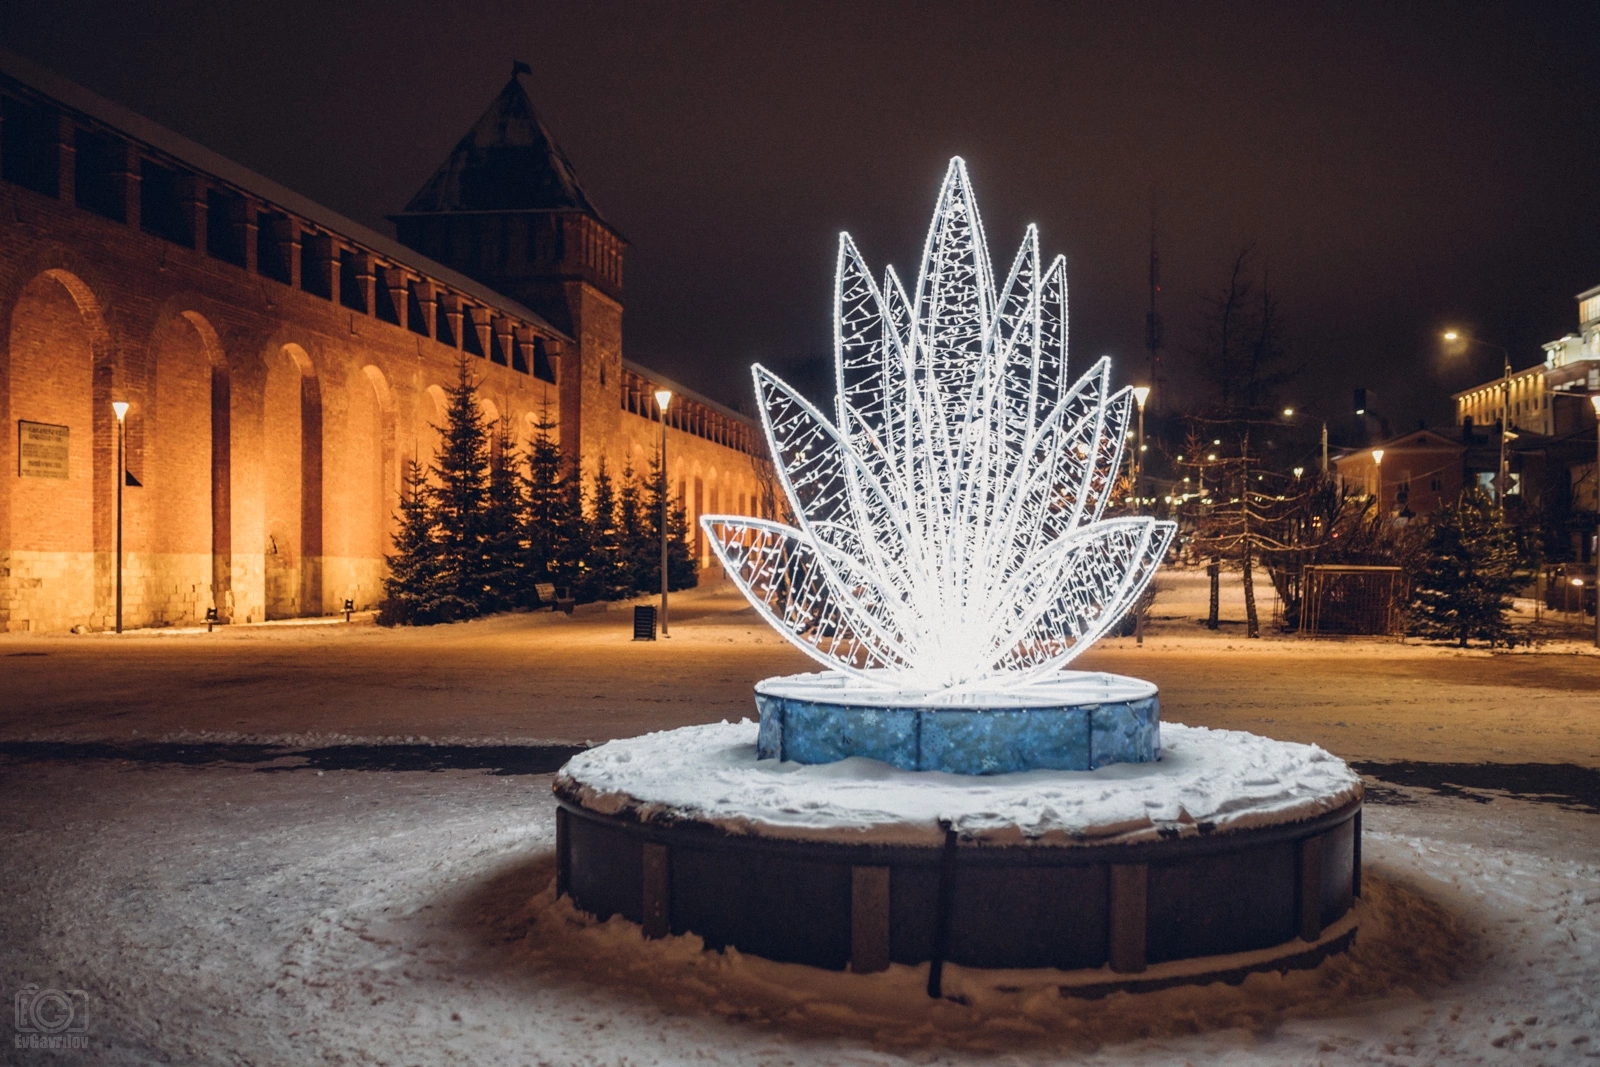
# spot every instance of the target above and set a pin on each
(1288, 413)
(663, 398)
(1452, 335)
(1298, 471)
(121, 408)
(1141, 393)
(1377, 455)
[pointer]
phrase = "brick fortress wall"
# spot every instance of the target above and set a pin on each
(280, 373)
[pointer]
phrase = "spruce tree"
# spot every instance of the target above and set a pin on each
(1462, 581)
(503, 554)
(682, 567)
(411, 589)
(460, 497)
(554, 516)
(573, 564)
(608, 567)
(630, 520)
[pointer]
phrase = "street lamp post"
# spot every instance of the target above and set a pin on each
(1288, 413)
(121, 408)
(663, 398)
(1594, 398)
(1141, 393)
(1505, 410)
(1377, 462)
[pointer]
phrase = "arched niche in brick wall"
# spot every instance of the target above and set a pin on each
(56, 523)
(292, 483)
(177, 526)
(361, 504)
(432, 409)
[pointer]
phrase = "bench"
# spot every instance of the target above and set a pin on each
(547, 594)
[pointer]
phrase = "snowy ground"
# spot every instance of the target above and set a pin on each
(230, 915)
(227, 903)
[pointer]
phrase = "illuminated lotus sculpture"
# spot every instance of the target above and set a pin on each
(949, 541)
(948, 558)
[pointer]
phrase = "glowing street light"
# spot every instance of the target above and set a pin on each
(1377, 462)
(1456, 336)
(664, 398)
(121, 408)
(1140, 393)
(1298, 471)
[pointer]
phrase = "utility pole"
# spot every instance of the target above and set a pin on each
(1152, 320)
(1503, 475)
(1140, 393)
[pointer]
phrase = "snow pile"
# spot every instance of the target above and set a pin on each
(1407, 942)
(1206, 780)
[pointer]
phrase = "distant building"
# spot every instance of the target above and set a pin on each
(1552, 397)
(1418, 472)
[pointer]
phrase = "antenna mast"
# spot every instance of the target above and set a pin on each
(1152, 320)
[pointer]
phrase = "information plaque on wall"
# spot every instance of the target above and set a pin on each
(42, 450)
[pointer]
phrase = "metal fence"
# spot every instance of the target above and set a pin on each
(1352, 600)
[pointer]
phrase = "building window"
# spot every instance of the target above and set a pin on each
(30, 145)
(470, 342)
(99, 164)
(350, 288)
(316, 259)
(271, 260)
(443, 332)
(541, 362)
(414, 319)
(161, 211)
(225, 226)
(383, 297)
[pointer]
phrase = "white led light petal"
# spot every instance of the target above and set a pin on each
(781, 573)
(854, 515)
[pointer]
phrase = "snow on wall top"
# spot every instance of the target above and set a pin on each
(1225, 778)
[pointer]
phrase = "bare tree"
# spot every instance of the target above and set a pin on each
(1243, 354)
(1243, 514)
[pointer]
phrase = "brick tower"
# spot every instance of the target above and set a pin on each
(505, 209)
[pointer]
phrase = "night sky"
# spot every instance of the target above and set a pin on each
(1397, 167)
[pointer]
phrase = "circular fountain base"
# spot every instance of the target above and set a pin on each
(1232, 853)
(1074, 721)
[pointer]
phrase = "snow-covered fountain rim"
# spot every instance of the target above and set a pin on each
(1062, 689)
(1207, 781)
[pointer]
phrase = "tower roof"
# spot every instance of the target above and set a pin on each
(508, 161)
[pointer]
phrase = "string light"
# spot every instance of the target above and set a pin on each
(949, 517)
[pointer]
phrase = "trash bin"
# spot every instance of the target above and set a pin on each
(644, 623)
